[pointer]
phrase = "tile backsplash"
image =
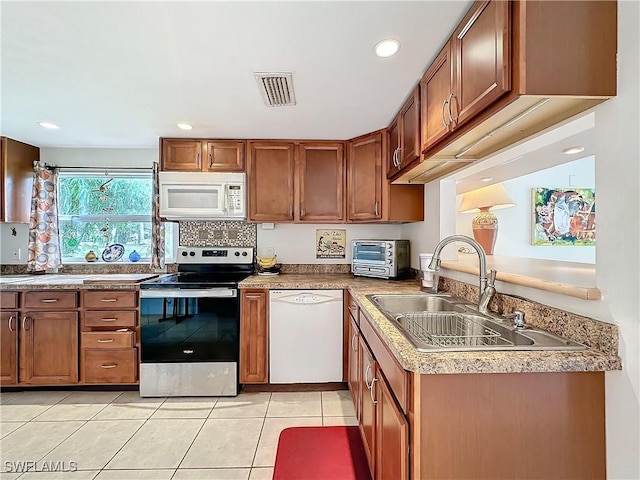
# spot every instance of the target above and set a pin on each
(217, 234)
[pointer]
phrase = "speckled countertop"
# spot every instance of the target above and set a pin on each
(412, 360)
(115, 281)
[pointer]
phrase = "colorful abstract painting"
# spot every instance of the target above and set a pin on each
(564, 216)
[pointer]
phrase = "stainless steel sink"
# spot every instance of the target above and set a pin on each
(442, 323)
(416, 303)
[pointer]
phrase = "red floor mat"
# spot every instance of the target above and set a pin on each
(321, 453)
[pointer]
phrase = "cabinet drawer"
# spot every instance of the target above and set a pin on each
(51, 300)
(9, 300)
(110, 365)
(110, 299)
(107, 340)
(109, 318)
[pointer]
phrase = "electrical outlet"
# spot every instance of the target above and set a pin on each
(269, 252)
(16, 254)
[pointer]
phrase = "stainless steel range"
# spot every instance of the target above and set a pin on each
(190, 324)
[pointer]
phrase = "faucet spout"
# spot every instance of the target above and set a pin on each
(483, 301)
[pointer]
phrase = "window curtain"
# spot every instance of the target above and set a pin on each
(44, 240)
(157, 227)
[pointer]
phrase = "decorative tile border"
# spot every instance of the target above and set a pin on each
(599, 335)
(217, 234)
(316, 268)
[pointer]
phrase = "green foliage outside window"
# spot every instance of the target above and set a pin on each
(91, 217)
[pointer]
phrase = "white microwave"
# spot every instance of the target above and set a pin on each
(203, 196)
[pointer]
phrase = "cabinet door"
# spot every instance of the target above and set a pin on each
(270, 174)
(353, 365)
(9, 322)
(392, 434)
(321, 177)
(393, 147)
(225, 156)
(368, 408)
(254, 339)
(482, 59)
(364, 178)
(16, 179)
(49, 348)
(436, 88)
(409, 120)
(181, 155)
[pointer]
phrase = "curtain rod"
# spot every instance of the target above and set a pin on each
(53, 167)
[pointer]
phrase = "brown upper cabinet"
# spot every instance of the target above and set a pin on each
(270, 180)
(321, 173)
(370, 197)
(16, 179)
(296, 181)
(404, 135)
(509, 71)
(192, 155)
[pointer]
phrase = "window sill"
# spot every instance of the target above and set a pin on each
(565, 278)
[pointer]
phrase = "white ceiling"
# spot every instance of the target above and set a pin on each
(122, 74)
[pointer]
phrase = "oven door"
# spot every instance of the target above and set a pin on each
(370, 253)
(189, 342)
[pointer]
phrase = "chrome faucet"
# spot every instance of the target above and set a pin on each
(487, 288)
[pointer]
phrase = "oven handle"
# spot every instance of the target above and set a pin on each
(189, 293)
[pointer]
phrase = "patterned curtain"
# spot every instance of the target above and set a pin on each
(44, 242)
(157, 227)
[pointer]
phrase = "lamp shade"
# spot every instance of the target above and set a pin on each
(492, 197)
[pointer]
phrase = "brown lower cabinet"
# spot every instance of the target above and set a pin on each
(49, 348)
(480, 426)
(254, 336)
(9, 322)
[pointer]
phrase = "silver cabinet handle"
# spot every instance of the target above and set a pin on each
(444, 120)
(11, 319)
(113, 365)
(49, 300)
(109, 340)
(373, 383)
(354, 346)
(453, 120)
(395, 158)
(376, 208)
(108, 319)
(109, 300)
(398, 158)
(210, 160)
(302, 210)
(198, 157)
(366, 375)
(25, 325)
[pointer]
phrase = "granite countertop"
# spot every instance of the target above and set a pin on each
(124, 281)
(411, 359)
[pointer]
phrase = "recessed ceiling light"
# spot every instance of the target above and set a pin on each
(572, 150)
(387, 48)
(486, 179)
(184, 126)
(52, 126)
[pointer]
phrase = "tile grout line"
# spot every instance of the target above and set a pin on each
(195, 437)
(264, 420)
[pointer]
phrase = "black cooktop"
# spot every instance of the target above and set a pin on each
(224, 278)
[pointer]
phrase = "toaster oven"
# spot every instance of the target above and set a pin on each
(380, 258)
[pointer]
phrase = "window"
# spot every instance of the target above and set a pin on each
(97, 210)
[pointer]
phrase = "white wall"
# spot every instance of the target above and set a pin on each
(296, 243)
(514, 237)
(99, 157)
(10, 243)
(617, 176)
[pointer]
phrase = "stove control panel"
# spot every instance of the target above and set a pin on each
(213, 255)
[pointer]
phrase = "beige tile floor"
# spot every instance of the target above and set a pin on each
(120, 436)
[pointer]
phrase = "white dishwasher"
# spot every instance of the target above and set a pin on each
(305, 336)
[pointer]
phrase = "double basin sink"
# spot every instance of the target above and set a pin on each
(443, 323)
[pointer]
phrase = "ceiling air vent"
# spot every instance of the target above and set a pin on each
(277, 88)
